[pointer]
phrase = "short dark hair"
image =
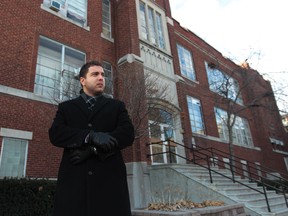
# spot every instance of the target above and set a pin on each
(84, 69)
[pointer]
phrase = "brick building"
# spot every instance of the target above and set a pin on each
(44, 43)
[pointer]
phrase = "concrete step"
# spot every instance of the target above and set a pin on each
(251, 195)
(225, 183)
(274, 207)
(279, 212)
(254, 200)
(262, 201)
(239, 189)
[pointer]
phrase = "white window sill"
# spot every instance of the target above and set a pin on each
(107, 38)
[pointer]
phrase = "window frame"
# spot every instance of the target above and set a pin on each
(151, 19)
(187, 69)
(58, 81)
(109, 24)
(216, 78)
(108, 78)
(67, 12)
(240, 136)
(195, 125)
(3, 150)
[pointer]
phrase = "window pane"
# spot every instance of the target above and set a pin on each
(144, 31)
(152, 33)
(195, 114)
(106, 18)
(73, 60)
(223, 84)
(57, 69)
(241, 131)
(173, 153)
(108, 77)
(151, 25)
(161, 43)
(13, 158)
(48, 68)
(186, 64)
(77, 11)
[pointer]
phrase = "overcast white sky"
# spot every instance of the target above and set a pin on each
(242, 29)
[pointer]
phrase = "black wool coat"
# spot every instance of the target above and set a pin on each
(93, 187)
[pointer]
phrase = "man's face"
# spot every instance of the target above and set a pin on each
(94, 82)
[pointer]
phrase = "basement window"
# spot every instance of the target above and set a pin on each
(13, 158)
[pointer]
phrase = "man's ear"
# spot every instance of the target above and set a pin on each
(82, 81)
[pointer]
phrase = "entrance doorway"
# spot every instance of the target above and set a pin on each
(164, 151)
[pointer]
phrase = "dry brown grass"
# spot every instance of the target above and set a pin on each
(182, 204)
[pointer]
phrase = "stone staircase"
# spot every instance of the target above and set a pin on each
(254, 201)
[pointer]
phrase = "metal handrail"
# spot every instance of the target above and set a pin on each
(262, 168)
(206, 154)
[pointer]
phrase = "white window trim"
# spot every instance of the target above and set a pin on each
(165, 142)
(202, 116)
(192, 61)
(25, 94)
(18, 137)
(164, 23)
(110, 17)
(63, 50)
(234, 87)
(235, 141)
(18, 134)
(107, 38)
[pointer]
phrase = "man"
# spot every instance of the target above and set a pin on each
(92, 129)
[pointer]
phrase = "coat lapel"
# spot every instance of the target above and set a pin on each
(82, 105)
(100, 103)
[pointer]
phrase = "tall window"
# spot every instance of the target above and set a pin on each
(13, 157)
(223, 84)
(57, 70)
(75, 10)
(108, 77)
(240, 131)
(144, 30)
(195, 115)
(186, 62)
(106, 18)
(151, 25)
(160, 34)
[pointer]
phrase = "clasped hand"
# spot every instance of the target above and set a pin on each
(103, 142)
(105, 147)
(79, 155)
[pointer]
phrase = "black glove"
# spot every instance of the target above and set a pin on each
(103, 142)
(79, 155)
(102, 155)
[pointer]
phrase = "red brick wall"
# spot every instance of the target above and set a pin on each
(22, 23)
(27, 115)
(260, 119)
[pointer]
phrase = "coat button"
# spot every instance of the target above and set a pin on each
(90, 173)
(89, 125)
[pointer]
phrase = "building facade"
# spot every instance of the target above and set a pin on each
(145, 52)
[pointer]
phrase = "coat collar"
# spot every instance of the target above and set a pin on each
(101, 102)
